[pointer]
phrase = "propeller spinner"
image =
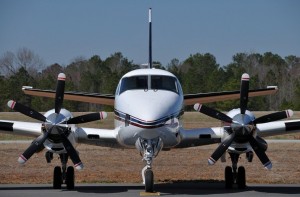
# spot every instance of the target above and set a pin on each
(50, 125)
(242, 126)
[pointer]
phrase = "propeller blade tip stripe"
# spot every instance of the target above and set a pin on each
(197, 107)
(79, 166)
(103, 115)
(211, 161)
(22, 159)
(245, 77)
(11, 104)
(289, 113)
(61, 77)
(268, 165)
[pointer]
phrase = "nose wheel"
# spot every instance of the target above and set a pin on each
(149, 180)
(234, 175)
(149, 149)
(63, 175)
(57, 178)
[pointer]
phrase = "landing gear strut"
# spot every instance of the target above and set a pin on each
(149, 150)
(64, 174)
(234, 175)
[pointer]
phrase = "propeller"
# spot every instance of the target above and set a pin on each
(49, 126)
(70, 149)
(26, 110)
(212, 113)
(244, 92)
(60, 89)
(34, 146)
(87, 118)
(242, 127)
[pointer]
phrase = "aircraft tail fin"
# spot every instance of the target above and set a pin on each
(150, 38)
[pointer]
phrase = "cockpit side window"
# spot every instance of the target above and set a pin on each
(131, 83)
(164, 83)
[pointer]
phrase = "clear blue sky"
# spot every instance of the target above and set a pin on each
(61, 30)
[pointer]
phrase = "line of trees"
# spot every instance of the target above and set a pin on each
(197, 73)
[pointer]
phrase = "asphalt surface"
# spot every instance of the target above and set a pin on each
(29, 141)
(166, 189)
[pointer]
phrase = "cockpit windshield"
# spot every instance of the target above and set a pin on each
(149, 82)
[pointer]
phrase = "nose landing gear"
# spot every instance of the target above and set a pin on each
(64, 174)
(149, 149)
(234, 175)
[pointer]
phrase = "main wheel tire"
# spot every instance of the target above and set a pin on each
(241, 178)
(149, 180)
(228, 177)
(70, 178)
(57, 178)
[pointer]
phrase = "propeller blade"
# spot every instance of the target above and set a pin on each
(244, 92)
(70, 149)
(212, 113)
(260, 152)
(60, 89)
(87, 118)
(274, 116)
(34, 146)
(26, 110)
(262, 143)
(221, 149)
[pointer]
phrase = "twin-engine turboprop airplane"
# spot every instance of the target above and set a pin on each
(148, 105)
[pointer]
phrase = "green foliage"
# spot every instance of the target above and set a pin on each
(197, 73)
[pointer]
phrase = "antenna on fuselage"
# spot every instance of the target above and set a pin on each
(150, 38)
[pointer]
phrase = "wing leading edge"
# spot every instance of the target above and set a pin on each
(108, 99)
(105, 99)
(191, 99)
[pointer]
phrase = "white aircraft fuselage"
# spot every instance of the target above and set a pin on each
(148, 105)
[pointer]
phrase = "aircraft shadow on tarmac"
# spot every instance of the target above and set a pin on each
(192, 188)
(178, 187)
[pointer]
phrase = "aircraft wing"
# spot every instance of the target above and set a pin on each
(206, 136)
(99, 137)
(31, 129)
(104, 99)
(278, 128)
(200, 136)
(108, 99)
(191, 99)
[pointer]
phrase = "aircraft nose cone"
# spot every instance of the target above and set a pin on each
(156, 105)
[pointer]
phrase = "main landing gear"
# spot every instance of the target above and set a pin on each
(63, 174)
(149, 149)
(234, 175)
